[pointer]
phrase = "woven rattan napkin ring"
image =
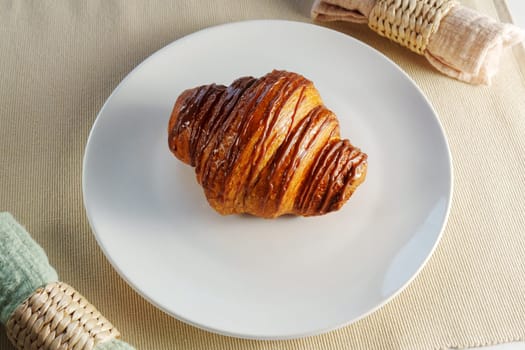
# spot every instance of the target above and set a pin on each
(409, 23)
(58, 317)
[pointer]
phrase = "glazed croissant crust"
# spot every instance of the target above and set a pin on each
(265, 147)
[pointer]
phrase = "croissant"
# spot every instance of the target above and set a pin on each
(265, 147)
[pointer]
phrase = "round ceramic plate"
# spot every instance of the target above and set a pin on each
(257, 278)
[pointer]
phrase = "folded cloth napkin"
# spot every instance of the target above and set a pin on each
(456, 40)
(63, 320)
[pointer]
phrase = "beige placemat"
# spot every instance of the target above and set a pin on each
(60, 60)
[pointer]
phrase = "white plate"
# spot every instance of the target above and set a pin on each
(256, 278)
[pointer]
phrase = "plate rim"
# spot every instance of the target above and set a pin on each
(217, 330)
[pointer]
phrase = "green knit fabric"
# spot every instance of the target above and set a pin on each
(114, 344)
(23, 266)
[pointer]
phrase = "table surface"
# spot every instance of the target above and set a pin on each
(517, 9)
(510, 346)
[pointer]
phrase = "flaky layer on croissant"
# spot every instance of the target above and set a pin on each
(265, 147)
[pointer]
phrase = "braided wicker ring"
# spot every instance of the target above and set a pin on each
(57, 317)
(409, 22)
